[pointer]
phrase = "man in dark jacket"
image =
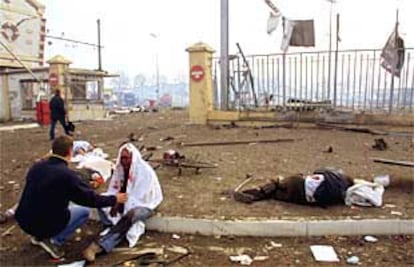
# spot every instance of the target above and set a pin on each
(57, 113)
(44, 211)
(324, 187)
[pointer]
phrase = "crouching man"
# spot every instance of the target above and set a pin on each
(324, 187)
(44, 211)
(134, 176)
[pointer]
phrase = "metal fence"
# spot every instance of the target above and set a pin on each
(349, 80)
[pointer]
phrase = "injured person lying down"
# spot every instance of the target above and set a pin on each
(322, 188)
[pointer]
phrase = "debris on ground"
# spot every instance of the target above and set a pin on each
(241, 142)
(329, 149)
(324, 253)
(242, 259)
(394, 162)
(8, 231)
(73, 264)
(370, 239)
(175, 236)
(353, 260)
(380, 144)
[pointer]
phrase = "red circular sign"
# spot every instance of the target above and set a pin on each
(53, 79)
(197, 73)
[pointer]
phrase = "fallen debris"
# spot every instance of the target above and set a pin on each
(353, 260)
(224, 143)
(178, 249)
(324, 253)
(394, 162)
(329, 149)
(242, 259)
(349, 128)
(380, 144)
(370, 239)
(8, 231)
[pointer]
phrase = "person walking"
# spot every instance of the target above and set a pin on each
(57, 113)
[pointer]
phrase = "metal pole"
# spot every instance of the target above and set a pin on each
(336, 59)
(99, 46)
(284, 66)
(393, 69)
(157, 72)
(330, 52)
(224, 53)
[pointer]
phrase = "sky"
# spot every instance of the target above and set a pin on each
(134, 32)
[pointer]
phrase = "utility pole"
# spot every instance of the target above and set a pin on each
(224, 53)
(157, 68)
(99, 45)
(330, 50)
(336, 60)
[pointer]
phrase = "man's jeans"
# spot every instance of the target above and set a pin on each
(78, 217)
(118, 231)
(53, 126)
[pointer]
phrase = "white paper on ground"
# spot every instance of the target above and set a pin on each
(324, 253)
(73, 264)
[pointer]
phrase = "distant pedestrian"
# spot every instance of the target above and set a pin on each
(57, 113)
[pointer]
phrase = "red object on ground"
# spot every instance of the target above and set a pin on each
(43, 112)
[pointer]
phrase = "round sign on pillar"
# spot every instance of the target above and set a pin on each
(197, 73)
(53, 79)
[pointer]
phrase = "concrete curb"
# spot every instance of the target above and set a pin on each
(273, 228)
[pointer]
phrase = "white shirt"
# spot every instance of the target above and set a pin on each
(312, 182)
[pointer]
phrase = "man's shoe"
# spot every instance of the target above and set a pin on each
(90, 252)
(242, 197)
(53, 250)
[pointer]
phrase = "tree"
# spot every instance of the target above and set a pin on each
(121, 82)
(139, 81)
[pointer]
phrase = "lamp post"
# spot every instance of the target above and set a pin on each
(157, 70)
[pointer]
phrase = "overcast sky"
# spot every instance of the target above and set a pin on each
(127, 25)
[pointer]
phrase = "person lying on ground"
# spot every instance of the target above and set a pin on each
(324, 187)
(81, 147)
(136, 177)
(44, 211)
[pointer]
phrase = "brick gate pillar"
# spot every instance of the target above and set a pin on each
(58, 70)
(201, 82)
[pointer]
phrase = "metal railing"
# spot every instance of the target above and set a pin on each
(357, 81)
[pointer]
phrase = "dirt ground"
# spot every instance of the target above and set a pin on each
(201, 195)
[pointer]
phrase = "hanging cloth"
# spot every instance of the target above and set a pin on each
(274, 17)
(303, 33)
(392, 56)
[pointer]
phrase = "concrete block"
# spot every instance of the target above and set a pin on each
(259, 228)
(407, 227)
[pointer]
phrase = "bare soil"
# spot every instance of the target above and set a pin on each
(201, 195)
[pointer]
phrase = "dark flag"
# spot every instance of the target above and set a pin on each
(392, 56)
